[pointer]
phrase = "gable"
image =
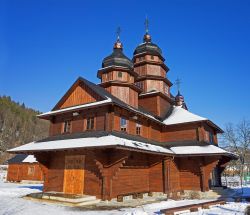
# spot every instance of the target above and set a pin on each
(78, 94)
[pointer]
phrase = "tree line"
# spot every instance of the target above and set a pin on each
(18, 125)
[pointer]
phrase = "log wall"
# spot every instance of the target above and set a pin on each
(108, 173)
(24, 171)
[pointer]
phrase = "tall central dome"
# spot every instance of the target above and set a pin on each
(148, 47)
(152, 79)
(150, 67)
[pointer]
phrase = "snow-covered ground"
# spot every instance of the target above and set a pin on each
(11, 202)
(3, 172)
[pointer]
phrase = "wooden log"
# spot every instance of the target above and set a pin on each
(205, 206)
(120, 198)
(140, 195)
(135, 195)
(193, 209)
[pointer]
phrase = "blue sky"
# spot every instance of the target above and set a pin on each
(45, 45)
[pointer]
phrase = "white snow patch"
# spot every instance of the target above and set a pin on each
(113, 141)
(108, 100)
(104, 141)
(230, 208)
(208, 149)
(3, 172)
(30, 159)
(180, 115)
(12, 203)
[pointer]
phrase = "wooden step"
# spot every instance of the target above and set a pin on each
(67, 199)
(191, 207)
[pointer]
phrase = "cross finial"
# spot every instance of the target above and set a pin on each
(118, 33)
(146, 23)
(178, 83)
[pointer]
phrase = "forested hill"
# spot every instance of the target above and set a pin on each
(18, 125)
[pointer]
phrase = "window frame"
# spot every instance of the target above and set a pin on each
(90, 123)
(123, 126)
(166, 89)
(138, 129)
(67, 126)
(119, 74)
(211, 137)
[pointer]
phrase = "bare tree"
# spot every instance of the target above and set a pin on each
(237, 138)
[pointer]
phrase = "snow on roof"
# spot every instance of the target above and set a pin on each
(111, 141)
(108, 100)
(149, 93)
(29, 159)
(208, 149)
(104, 141)
(180, 115)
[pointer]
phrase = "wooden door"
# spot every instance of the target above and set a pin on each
(74, 174)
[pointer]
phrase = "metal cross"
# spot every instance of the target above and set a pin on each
(118, 33)
(146, 23)
(178, 83)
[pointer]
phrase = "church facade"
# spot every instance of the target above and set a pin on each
(127, 134)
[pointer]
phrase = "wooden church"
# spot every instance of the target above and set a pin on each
(127, 134)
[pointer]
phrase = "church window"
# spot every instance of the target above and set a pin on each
(138, 129)
(166, 89)
(152, 57)
(90, 123)
(119, 74)
(141, 58)
(123, 124)
(66, 127)
(211, 137)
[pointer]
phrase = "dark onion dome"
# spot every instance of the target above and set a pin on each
(148, 47)
(117, 58)
(179, 100)
(179, 97)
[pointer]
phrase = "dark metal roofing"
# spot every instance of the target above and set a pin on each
(104, 93)
(149, 48)
(117, 58)
(17, 159)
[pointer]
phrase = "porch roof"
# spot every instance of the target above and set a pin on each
(198, 150)
(105, 140)
(89, 142)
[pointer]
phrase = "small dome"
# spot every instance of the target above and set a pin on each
(117, 58)
(148, 47)
(179, 97)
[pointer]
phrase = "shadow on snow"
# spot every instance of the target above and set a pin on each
(33, 187)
